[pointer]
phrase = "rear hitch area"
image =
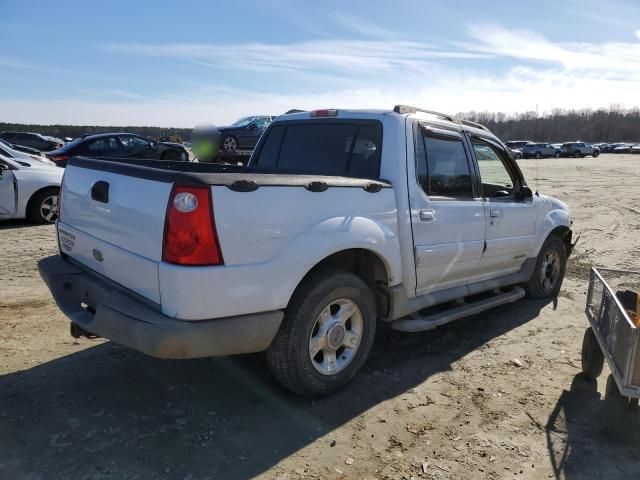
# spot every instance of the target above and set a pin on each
(77, 331)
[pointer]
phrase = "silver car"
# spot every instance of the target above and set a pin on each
(539, 150)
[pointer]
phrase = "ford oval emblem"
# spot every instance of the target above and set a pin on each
(97, 254)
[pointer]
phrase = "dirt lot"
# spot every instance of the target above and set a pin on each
(447, 404)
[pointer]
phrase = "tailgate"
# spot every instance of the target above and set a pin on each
(114, 224)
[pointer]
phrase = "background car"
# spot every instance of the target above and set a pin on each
(517, 154)
(243, 134)
(578, 149)
(119, 145)
(32, 140)
(517, 144)
(622, 148)
(29, 190)
(8, 151)
(539, 150)
(635, 148)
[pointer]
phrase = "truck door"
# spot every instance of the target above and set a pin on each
(510, 220)
(7, 191)
(447, 215)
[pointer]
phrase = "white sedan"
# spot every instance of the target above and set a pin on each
(29, 189)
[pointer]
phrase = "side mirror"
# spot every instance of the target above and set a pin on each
(525, 193)
(3, 167)
(252, 126)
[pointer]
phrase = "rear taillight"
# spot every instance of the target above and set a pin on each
(190, 236)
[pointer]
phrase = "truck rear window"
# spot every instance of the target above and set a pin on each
(323, 148)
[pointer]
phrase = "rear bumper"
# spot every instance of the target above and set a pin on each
(103, 308)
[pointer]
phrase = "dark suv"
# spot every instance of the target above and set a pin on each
(31, 140)
(578, 149)
(119, 145)
(243, 134)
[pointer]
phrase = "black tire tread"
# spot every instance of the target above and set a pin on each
(281, 355)
(33, 209)
(592, 356)
(533, 288)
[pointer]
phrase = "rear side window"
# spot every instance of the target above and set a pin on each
(323, 148)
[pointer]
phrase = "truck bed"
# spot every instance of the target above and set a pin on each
(272, 228)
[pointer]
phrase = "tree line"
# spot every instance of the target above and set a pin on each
(615, 124)
(75, 131)
(604, 125)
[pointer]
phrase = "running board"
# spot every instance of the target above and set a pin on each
(420, 324)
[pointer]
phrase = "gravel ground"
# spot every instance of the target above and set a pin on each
(446, 404)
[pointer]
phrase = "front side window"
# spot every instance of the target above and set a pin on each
(496, 179)
(442, 166)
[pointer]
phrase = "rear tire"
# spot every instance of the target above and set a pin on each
(577, 154)
(538, 155)
(43, 206)
(556, 155)
(592, 356)
(546, 280)
(314, 320)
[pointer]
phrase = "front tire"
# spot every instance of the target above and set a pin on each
(556, 155)
(326, 335)
(538, 155)
(595, 154)
(43, 206)
(546, 280)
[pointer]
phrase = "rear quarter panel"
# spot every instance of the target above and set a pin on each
(270, 238)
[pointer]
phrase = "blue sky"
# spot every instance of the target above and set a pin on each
(182, 63)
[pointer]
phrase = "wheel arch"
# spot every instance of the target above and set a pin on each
(366, 264)
(35, 193)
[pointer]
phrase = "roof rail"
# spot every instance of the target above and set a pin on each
(410, 109)
(469, 123)
(451, 118)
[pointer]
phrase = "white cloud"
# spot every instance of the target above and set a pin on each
(613, 57)
(448, 90)
(370, 73)
(351, 56)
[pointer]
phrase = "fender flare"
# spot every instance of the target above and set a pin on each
(552, 220)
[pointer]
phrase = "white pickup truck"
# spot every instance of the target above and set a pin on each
(344, 218)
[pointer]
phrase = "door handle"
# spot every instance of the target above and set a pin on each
(494, 213)
(426, 215)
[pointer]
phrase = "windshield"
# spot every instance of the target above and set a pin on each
(244, 121)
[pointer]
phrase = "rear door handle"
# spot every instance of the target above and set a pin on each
(494, 213)
(426, 215)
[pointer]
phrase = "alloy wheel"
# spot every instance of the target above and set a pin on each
(49, 208)
(336, 336)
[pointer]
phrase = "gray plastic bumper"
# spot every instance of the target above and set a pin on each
(107, 310)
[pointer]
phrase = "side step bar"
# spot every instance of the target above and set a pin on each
(420, 324)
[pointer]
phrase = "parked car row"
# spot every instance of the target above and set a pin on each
(529, 149)
(619, 147)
